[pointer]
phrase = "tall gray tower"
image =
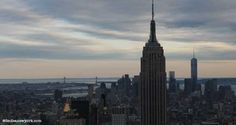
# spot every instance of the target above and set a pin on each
(194, 71)
(153, 80)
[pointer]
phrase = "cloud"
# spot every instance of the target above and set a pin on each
(64, 53)
(82, 29)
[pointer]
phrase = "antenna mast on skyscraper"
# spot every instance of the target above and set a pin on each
(193, 53)
(152, 9)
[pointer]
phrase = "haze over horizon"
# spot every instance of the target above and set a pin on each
(81, 38)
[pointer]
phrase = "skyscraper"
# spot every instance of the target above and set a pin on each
(172, 82)
(93, 112)
(153, 80)
(124, 85)
(194, 71)
(211, 90)
(188, 86)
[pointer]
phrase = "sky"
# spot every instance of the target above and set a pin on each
(104, 38)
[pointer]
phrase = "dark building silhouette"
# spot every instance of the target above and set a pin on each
(211, 90)
(153, 80)
(188, 86)
(172, 82)
(194, 72)
(198, 88)
(104, 117)
(225, 91)
(93, 114)
(81, 107)
(58, 95)
(113, 87)
(135, 86)
(101, 90)
(124, 84)
(47, 120)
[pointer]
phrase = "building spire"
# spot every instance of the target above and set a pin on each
(193, 53)
(152, 39)
(153, 10)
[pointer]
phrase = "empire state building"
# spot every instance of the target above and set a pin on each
(153, 80)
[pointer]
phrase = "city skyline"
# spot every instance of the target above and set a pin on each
(39, 40)
(69, 62)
